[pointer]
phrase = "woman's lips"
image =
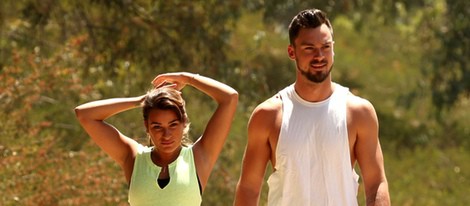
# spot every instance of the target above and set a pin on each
(167, 142)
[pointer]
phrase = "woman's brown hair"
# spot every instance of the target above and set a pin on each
(167, 98)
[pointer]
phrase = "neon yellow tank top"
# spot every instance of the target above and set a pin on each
(183, 188)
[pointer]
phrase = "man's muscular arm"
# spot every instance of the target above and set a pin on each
(369, 153)
(257, 154)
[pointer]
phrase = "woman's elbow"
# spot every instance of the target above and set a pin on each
(79, 113)
(233, 97)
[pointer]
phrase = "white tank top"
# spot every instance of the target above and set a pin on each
(313, 165)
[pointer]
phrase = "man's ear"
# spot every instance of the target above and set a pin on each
(291, 52)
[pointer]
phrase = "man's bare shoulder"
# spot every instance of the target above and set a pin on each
(264, 120)
(266, 113)
(270, 106)
(361, 110)
(358, 104)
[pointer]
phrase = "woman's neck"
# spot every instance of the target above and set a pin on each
(164, 159)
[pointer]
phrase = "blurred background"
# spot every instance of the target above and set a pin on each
(409, 58)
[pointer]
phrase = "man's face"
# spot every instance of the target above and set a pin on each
(313, 53)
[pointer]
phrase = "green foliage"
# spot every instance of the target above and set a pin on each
(259, 52)
(451, 65)
(36, 92)
(409, 58)
(426, 176)
(430, 176)
(48, 175)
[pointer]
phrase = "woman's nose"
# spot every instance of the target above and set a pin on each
(166, 133)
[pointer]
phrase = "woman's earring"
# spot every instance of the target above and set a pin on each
(150, 140)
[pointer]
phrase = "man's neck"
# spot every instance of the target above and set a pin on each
(314, 92)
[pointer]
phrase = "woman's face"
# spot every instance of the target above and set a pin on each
(165, 130)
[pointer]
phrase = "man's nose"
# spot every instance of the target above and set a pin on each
(318, 52)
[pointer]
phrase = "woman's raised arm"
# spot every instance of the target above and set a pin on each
(92, 115)
(208, 147)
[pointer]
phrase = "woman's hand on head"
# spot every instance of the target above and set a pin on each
(177, 80)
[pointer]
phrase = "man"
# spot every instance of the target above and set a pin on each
(313, 132)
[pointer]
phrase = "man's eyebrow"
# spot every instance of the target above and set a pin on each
(306, 43)
(312, 44)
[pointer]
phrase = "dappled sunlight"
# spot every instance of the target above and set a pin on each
(408, 58)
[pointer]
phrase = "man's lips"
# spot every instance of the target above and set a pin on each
(318, 65)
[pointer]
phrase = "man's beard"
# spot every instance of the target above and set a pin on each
(316, 77)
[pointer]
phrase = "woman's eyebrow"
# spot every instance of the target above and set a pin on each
(158, 123)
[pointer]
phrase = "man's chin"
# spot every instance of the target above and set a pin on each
(317, 77)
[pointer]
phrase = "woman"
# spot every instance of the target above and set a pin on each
(168, 173)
